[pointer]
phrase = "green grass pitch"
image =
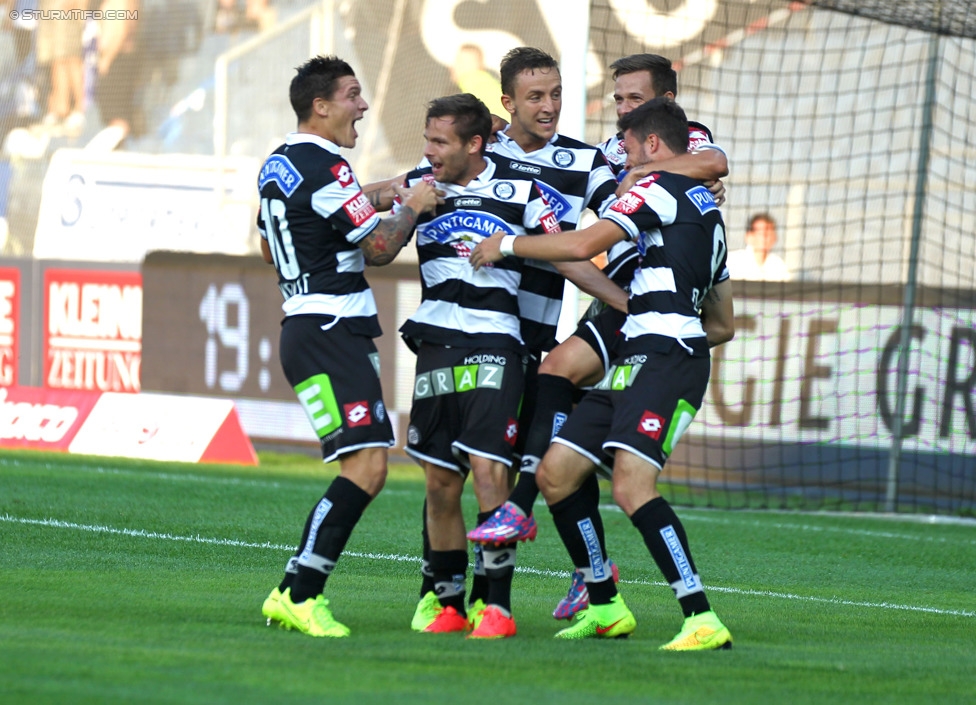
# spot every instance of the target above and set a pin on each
(142, 582)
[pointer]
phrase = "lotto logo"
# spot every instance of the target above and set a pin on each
(628, 204)
(359, 209)
(357, 414)
(511, 432)
(342, 174)
(549, 223)
(651, 425)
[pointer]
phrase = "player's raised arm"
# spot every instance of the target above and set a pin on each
(572, 246)
(385, 242)
(707, 164)
(382, 193)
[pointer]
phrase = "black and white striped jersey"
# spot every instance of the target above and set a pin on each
(313, 213)
(622, 257)
(573, 176)
(680, 235)
(460, 306)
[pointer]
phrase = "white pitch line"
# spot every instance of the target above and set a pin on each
(695, 514)
(691, 513)
(700, 516)
(141, 533)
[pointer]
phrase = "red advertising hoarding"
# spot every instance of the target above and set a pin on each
(92, 330)
(9, 324)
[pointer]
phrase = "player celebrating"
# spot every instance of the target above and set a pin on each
(572, 176)
(657, 381)
(469, 346)
(320, 231)
(583, 358)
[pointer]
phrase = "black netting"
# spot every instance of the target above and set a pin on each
(956, 18)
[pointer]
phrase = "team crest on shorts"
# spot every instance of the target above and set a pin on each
(651, 425)
(511, 432)
(357, 414)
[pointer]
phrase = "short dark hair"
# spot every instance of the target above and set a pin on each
(663, 77)
(471, 117)
(758, 217)
(659, 116)
(522, 59)
(316, 78)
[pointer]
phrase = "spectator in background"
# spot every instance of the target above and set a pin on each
(471, 76)
(235, 15)
(757, 260)
(59, 47)
(22, 86)
(120, 69)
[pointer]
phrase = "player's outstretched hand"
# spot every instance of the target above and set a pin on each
(421, 196)
(487, 251)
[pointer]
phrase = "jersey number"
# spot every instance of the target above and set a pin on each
(279, 238)
(718, 252)
(718, 249)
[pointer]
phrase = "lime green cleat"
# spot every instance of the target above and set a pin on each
(613, 621)
(476, 612)
(271, 609)
(701, 632)
(311, 617)
(427, 610)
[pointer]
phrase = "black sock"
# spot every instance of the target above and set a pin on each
(450, 569)
(553, 403)
(500, 569)
(665, 538)
(332, 522)
(479, 583)
(291, 568)
(578, 521)
(426, 575)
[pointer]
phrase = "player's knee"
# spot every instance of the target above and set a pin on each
(569, 362)
(491, 484)
(548, 482)
(556, 364)
(443, 489)
(367, 469)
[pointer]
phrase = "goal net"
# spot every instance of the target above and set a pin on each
(851, 125)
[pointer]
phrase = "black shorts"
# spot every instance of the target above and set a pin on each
(465, 402)
(602, 333)
(336, 376)
(643, 405)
